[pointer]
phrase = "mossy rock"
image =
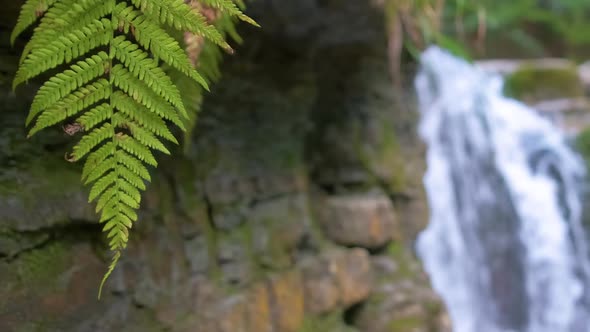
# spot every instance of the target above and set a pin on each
(406, 324)
(531, 84)
(582, 144)
(332, 322)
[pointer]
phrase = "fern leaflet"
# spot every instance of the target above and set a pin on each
(115, 88)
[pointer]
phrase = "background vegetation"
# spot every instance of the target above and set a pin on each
(519, 28)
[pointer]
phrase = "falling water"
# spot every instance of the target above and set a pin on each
(505, 247)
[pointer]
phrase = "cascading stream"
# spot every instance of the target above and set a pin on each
(505, 247)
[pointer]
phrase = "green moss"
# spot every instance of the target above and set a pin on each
(405, 324)
(583, 145)
(332, 322)
(397, 251)
(531, 84)
(247, 235)
(43, 266)
(212, 251)
(52, 178)
(37, 326)
(390, 152)
(383, 159)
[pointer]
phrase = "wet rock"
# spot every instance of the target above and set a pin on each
(231, 314)
(258, 311)
(12, 243)
(403, 308)
(198, 255)
(278, 226)
(234, 258)
(353, 275)
(367, 221)
(286, 301)
(337, 279)
(322, 293)
(222, 314)
(50, 288)
(32, 200)
(401, 299)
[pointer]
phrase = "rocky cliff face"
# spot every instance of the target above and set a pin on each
(295, 209)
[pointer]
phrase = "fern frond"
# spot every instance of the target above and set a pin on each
(64, 49)
(116, 90)
(49, 24)
(129, 194)
(114, 261)
(72, 104)
(30, 12)
(142, 94)
(146, 138)
(95, 116)
(138, 113)
(152, 36)
(129, 212)
(146, 69)
(101, 185)
(177, 14)
(100, 169)
(133, 165)
(67, 81)
(107, 199)
(65, 17)
(130, 145)
(97, 157)
(92, 140)
(229, 7)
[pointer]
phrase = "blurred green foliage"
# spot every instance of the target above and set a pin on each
(530, 23)
(464, 26)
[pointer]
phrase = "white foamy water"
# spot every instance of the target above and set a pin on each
(505, 247)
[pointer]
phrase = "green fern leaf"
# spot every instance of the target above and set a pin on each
(67, 81)
(116, 89)
(92, 140)
(114, 261)
(129, 212)
(129, 195)
(147, 70)
(101, 185)
(30, 12)
(146, 138)
(133, 165)
(132, 177)
(131, 146)
(65, 17)
(97, 157)
(73, 104)
(138, 114)
(182, 17)
(95, 116)
(100, 169)
(107, 198)
(142, 94)
(229, 7)
(152, 36)
(64, 49)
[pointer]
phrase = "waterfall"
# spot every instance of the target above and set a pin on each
(505, 247)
